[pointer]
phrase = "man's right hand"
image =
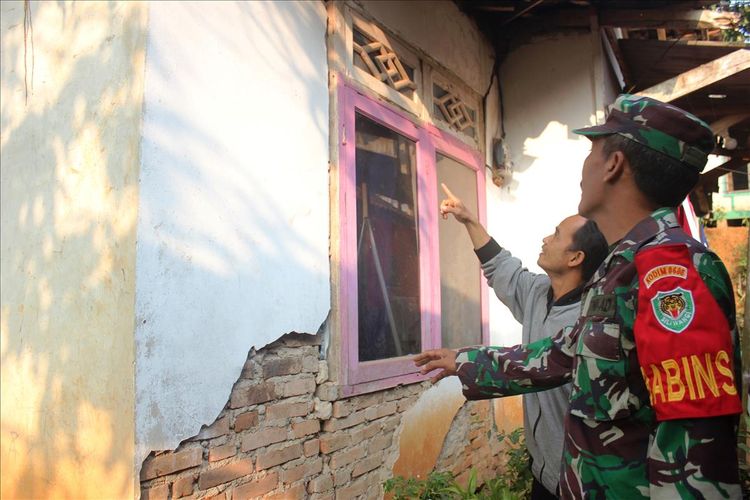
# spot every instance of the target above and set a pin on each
(437, 359)
(453, 205)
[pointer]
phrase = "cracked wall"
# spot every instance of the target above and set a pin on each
(285, 432)
(232, 247)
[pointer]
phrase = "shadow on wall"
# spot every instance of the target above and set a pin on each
(69, 183)
(233, 235)
(547, 90)
(69, 206)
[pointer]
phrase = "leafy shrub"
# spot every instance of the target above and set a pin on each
(514, 483)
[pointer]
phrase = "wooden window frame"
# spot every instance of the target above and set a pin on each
(359, 377)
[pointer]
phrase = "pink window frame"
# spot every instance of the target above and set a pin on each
(359, 377)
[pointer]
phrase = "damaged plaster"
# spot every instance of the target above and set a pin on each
(233, 227)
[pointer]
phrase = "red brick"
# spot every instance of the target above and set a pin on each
(183, 487)
(305, 469)
(257, 487)
(365, 401)
(353, 490)
(322, 483)
(281, 366)
(171, 462)
(312, 447)
(328, 391)
(342, 477)
(343, 458)
(380, 443)
(305, 427)
(390, 423)
(218, 428)
(219, 496)
(341, 409)
(365, 432)
(225, 473)
(291, 493)
(263, 438)
(298, 386)
(278, 456)
(252, 395)
(222, 452)
(381, 410)
(160, 492)
(406, 403)
(245, 421)
(311, 364)
(335, 424)
(366, 465)
(322, 496)
(288, 409)
(334, 441)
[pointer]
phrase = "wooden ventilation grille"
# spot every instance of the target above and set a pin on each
(453, 110)
(382, 63)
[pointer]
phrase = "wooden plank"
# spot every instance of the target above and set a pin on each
(614, 55)
(697, 78)
(722, 126)
(649, 18)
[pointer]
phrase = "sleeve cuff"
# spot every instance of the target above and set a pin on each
(488, 251)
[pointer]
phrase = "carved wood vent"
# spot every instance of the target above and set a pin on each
(453, 110)
(383, 63)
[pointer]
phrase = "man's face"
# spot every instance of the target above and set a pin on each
(592, 193)
(556, 251)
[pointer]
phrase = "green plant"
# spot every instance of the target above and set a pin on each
(434, 487)
(514, 483)
(712, 218)
(517, 473)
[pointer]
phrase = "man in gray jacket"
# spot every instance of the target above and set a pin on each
(543, 304)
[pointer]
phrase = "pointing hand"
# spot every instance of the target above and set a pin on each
(453, 205)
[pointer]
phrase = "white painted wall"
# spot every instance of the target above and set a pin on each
(69, 151)
(233, 228)
(441, 30)
(548, 90)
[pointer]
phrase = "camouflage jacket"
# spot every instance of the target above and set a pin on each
(626, 432)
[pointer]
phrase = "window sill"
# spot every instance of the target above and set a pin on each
(382, 384)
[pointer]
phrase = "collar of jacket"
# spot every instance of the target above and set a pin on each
(659, 220)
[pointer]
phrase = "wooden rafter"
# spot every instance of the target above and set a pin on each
(700, 77)
(723, 125)
(651, 18)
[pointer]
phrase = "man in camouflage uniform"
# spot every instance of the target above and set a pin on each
(654, 358)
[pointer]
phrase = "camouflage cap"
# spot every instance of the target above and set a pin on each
(659, 126)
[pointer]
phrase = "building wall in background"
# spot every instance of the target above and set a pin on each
(70, 159)
(548, 90)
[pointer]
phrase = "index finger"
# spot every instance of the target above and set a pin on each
(423, 357)
(448, 191)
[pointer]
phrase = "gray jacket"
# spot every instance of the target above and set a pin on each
(529, 298)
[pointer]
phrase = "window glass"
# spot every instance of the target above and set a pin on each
(387, 243)
(461, 319)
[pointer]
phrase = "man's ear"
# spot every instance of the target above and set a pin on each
(615, 166)
(576, 259)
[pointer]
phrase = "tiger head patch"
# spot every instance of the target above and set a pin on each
(674, 309)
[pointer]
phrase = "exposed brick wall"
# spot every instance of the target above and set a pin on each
(286, 433)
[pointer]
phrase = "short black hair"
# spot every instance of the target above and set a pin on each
(664, 180)
(589, 240)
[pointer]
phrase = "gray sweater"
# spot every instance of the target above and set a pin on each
(529, 298)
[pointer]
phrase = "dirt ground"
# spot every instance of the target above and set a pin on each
(730, 244)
